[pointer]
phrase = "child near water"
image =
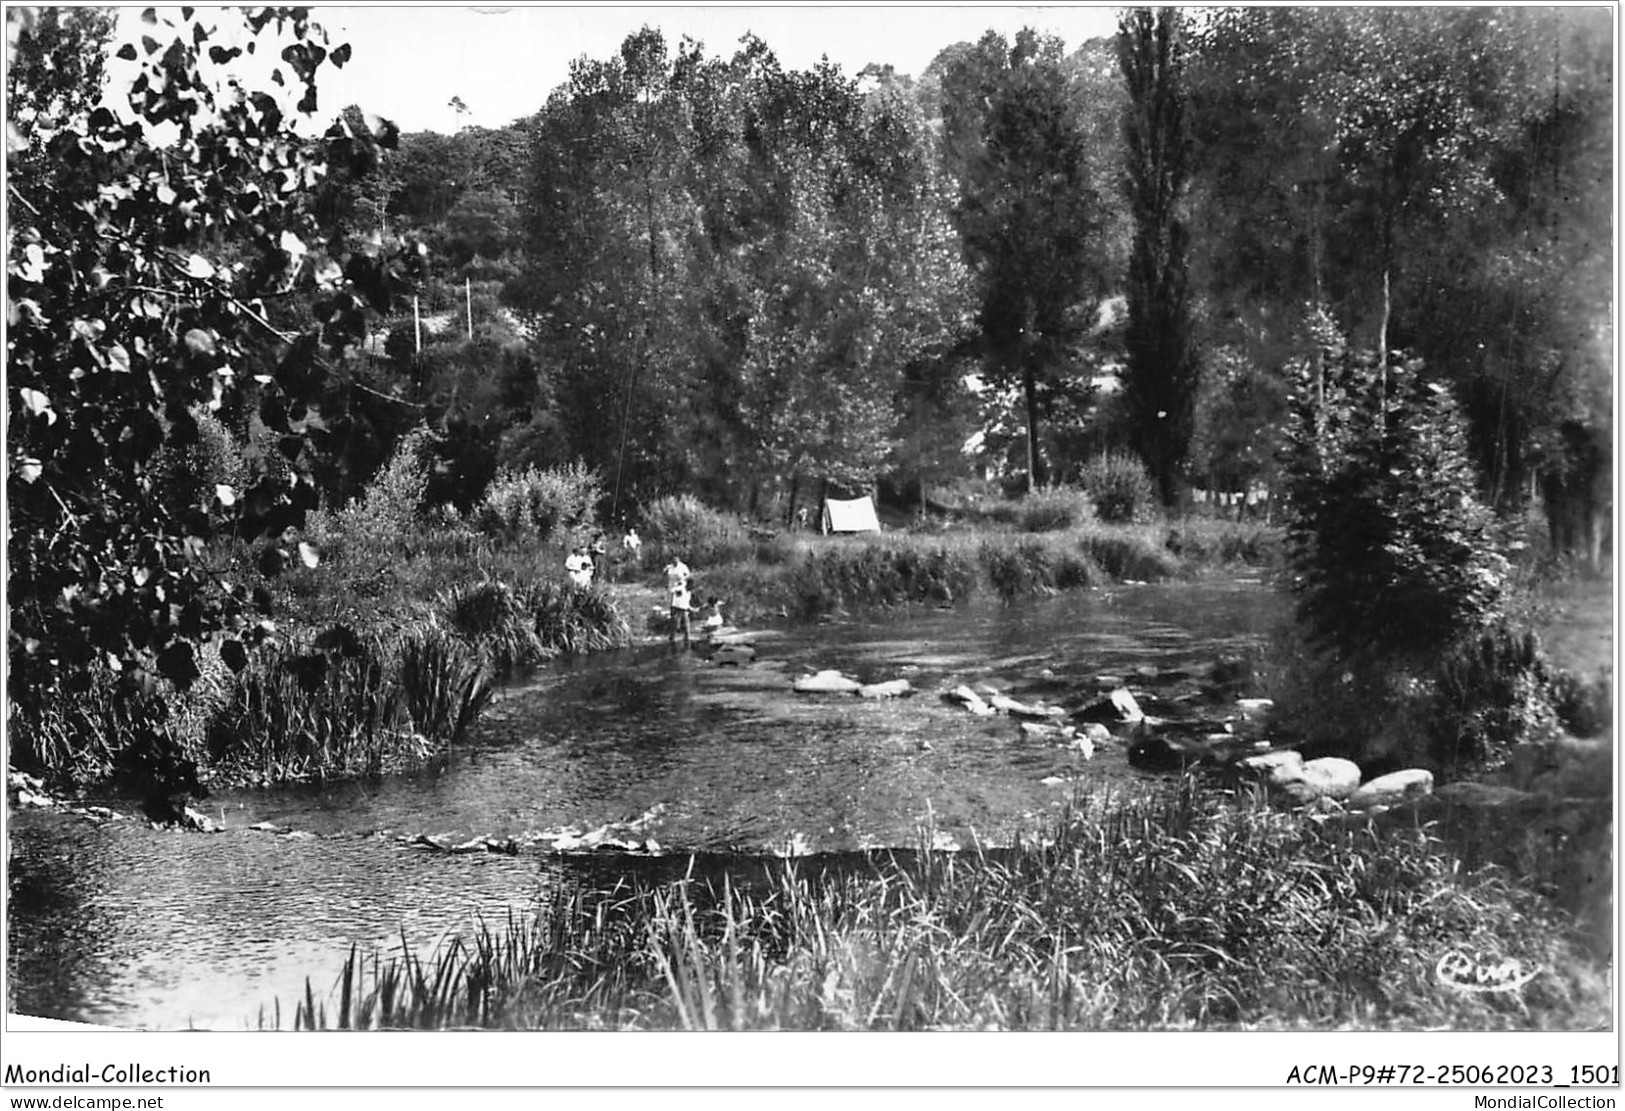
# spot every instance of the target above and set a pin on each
(713, 616)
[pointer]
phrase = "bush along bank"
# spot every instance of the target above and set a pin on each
(808, 578)
(1180, 909)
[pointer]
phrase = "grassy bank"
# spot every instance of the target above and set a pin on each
(805, 576)
(1184, 909)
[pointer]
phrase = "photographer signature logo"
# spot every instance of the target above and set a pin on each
(1470, 973)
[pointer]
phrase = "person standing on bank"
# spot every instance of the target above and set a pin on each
(579, 567)
(598, 552)
(682, 600)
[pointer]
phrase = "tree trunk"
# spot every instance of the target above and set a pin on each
(1031, 387)
(1029, 383)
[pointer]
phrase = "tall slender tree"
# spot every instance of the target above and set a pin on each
(1162, 372)
(1028, 213)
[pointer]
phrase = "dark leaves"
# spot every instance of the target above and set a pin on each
(234, 655)
(178, 664)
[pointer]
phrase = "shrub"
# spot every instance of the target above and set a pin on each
(74, 737)
(568, 619)
(491, 615)
(1219, 542)
(445, 683)
(540, 505)
(683, 523)
(329, 705)
(1490, 693)
(1052, 509)
(1584, 707)
(879, 574)
(385, 520)
(1020, 569)
(1395, 558)
(1399, 582)
(1120, 488)
(189, 476)
(1125, 554)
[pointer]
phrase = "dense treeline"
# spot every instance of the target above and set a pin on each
(712, 275)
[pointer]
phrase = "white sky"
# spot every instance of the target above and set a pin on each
(410, 60)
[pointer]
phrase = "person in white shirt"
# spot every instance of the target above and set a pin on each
(677, 588)
(579, 567)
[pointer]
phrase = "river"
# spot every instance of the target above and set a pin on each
(652, 748)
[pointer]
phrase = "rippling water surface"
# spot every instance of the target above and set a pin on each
(125, 925)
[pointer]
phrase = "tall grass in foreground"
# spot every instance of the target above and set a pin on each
(1185, 909)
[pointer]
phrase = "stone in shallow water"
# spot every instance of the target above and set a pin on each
(895, 688)
(1048, 731)
(826, 682)
(1096, 732)
(1392, 789)
(1117, 706)
(1024, 709)
(1329, 777)
(971, 701)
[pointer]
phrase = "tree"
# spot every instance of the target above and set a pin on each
(1028, 214)
(1438, 180)
(730, 265)
(57, 74)
(1162, 372)
(145, 277)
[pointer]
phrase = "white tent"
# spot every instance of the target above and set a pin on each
(857, 515)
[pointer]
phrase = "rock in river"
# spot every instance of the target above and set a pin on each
(1117, 706)
(1329, 777)
(827, 682)
(1392, 789)
(971, 701)
(1048, 731)
(1005, 704)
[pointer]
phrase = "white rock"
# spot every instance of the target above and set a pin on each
(1329, 777)
(1048, 731)
(1275, 767)
(826, 682)
(1023, 709)
(1389, 790)
(1096, 733)
(971, 700)
(894, 688)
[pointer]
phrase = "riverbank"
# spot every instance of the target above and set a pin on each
(1174, 908)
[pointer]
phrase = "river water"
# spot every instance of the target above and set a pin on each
(654, 748)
